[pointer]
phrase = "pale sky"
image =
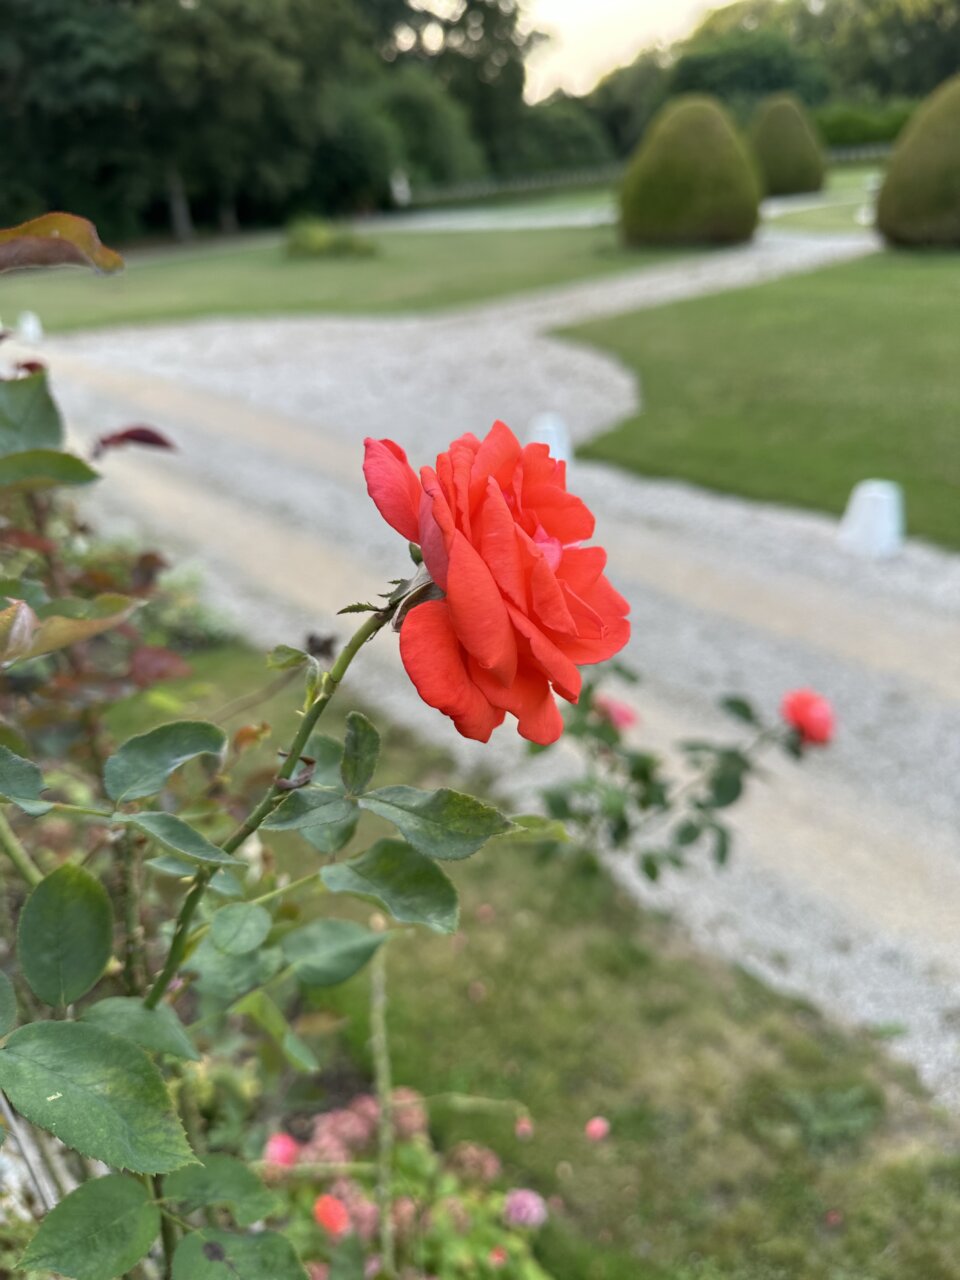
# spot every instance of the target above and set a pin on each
(591, 37)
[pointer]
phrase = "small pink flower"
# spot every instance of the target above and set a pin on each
(498, 1256)
(833, 1219)
(620, 714)
(810, 714)
(372, 1267)
(281, 1149)
(474, 1163)
(410, 1117)
(597, 1129)
(486, 913)
(363, 1214)
(318, 1270)
(523, 1129)
(524, 1208)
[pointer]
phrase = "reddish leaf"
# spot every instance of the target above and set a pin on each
(249, 735)
(137, 434)
(146, 570)
(151, 664)
(56, 239)
(27, 541)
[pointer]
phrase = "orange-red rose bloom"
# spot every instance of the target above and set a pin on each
(525, 603)
(810, 714)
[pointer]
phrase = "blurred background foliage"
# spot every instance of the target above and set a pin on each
(151, 115)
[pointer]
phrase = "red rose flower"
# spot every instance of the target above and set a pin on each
(524, 602)
(332, 1215)
(810, 714)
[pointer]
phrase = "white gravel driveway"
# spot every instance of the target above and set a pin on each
(846, 884)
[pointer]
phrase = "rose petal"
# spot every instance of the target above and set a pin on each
(478, 613)
(393, 486)
(435, 662)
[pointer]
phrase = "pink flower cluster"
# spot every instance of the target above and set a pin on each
(525, 1208)
(340, 1135)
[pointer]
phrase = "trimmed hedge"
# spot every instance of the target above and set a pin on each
(691, 181)
(920, 199)
(859, 124)
(786, 147)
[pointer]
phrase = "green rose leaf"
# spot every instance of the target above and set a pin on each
(325, 953)
(43, 469)
(332, 836)
(221, 1180)
(240, 927)
(361, 752)
(29, 417)
(8, 1004)
(229, 977)
(441, 824)
(534, 828)
(740, 709)
(348, 1262)
(65, 935)
(97, 1232)
(326, 754)
(95, 1092)
(156, 1030)
(310, 807)
(283, 657)
(266, 1013)
(143, 764)
(65, 622)
(220, 1255)
(411, 887)
(21, 782)
(179, 837)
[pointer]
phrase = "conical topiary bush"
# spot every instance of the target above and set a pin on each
(787, 150)
(920, 198)
(691, 180)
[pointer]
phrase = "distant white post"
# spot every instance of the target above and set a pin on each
(29, 328)
(551, 430)
(873, 523)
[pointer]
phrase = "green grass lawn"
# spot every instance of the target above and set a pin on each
(793, 391)
(413, 271)
(846, 191)
(751, 1139)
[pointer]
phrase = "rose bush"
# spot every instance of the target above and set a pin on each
(524, 602)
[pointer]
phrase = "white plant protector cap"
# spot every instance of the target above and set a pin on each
(873, 523)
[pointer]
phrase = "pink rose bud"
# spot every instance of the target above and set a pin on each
(619, 714)
(597, 1129)
(523, 1129)
(810, 714)
(281, 1149)
(498, 1256)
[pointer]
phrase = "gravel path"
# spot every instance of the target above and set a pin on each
(857, 899)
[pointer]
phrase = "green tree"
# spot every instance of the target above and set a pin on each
(625, 101)
(744, 66)
(562, 134)
(437, 144)
(69, 97)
